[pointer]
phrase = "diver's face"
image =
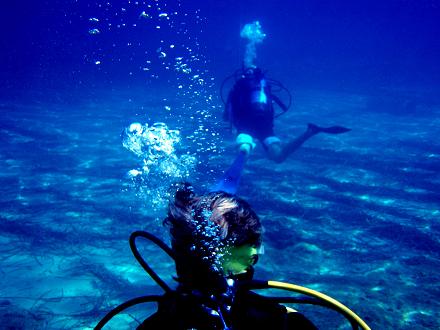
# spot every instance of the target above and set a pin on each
(238, 259)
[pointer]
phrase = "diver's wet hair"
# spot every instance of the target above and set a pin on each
(201, 226)
(238, 224)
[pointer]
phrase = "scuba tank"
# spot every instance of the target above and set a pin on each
(252, 93)
(259, 95)
(257, 85)
(258, 90)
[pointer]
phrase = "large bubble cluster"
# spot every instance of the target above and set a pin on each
(161, 164)
(151, 142)
(255, 35)
(158, 43)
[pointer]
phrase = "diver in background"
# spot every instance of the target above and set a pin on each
(216, 239)
(250, 109)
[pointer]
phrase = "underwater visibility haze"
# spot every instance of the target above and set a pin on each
(104, 105)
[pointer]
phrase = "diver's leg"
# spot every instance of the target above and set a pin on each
(230, 180)
(245, 143)
(279, 153)
(274, 151)
(291, 146)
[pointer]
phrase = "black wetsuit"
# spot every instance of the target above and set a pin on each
(250, 108)
(249, 311)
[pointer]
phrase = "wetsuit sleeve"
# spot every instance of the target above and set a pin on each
(256, 312)
(154, 322)
(299, 321)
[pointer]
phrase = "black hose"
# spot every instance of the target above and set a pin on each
(222, 86)
(141, 260)
(282, 87)
(123, 306)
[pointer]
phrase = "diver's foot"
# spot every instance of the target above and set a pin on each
(315, 129)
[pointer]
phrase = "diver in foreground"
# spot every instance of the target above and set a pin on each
(216, 239)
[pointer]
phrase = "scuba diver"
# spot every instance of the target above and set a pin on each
(216, 238)
(250, 110)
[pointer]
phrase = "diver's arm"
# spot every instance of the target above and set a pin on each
(297, 320)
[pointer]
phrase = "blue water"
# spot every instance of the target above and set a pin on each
(355, 216)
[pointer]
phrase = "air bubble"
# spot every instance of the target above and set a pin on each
(94, 31)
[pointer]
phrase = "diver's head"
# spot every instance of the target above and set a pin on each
(253, 72)
(212, 233)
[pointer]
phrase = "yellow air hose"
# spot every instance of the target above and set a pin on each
(319, 295)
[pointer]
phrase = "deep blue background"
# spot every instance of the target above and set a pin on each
(344, 45)
(354, 215)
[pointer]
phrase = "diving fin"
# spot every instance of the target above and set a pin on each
(329, 130)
